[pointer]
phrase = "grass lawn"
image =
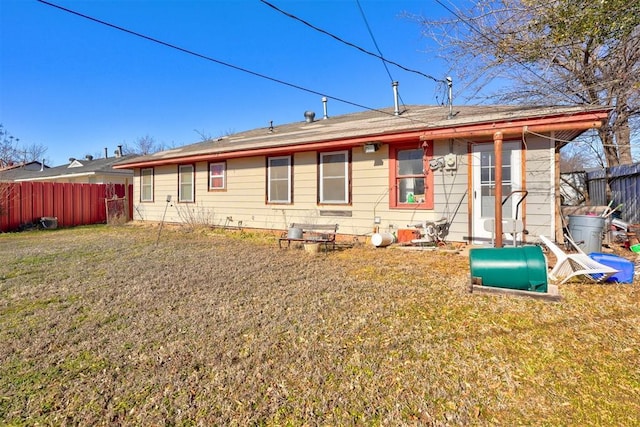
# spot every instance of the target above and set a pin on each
(101, 326)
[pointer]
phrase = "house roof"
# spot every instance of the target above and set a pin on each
(416, 121)
(32, 166)
(75, 168)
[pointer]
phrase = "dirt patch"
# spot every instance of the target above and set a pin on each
(101, 326)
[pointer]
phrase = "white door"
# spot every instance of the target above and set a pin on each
(483, 166)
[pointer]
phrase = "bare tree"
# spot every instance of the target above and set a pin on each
(553, 52)
(12, 151)
(142, 146)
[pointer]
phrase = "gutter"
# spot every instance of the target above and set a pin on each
(75, 175)
(581, 121)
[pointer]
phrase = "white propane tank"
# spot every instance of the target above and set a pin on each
(382, 239)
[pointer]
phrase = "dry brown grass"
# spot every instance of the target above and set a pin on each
(101, 327)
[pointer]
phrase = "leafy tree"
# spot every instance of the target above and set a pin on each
(581, 52)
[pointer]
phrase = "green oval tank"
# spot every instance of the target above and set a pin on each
(522, 268)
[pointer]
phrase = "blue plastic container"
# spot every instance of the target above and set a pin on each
(625, 267)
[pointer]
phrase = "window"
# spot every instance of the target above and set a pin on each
(185, 183)
(411, 182)
(279, 179)
(217, 176)
(146, 185)
(334, 177)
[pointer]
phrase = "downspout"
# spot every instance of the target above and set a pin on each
(497, 149)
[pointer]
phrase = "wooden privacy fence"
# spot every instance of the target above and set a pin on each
(26, 203)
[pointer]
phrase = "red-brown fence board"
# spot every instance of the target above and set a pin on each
(95, 210)
(72, 204)
(48, 199)
(67, 206)
(14, 199)
(38, 201)
(58, 202)
(26, 202)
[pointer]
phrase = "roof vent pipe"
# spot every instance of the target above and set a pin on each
(42, 165)
(396, 111)
(450, 95)
(324, 108)
(106, 153)
(309, 116)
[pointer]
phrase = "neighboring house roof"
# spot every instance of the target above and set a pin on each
(416, 121)
(75, 168)
(30, 166)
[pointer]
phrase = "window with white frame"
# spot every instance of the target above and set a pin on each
(217, 176)
(186, 191)
(279, 179)
(334, 177)
(146, 185)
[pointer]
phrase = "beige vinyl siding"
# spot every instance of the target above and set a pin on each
(539, 175)
(245, 196)
(450, 188)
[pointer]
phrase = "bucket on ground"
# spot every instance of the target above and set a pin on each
(523, 268)
(312, 247)
(586, 231)
(382, 239)
(294, 233)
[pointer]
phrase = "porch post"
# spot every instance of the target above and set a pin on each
(497, 228)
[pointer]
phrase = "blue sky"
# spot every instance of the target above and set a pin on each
(78, 87)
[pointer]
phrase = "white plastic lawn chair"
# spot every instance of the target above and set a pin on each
(572, 265)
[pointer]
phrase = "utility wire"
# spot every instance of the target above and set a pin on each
(366, 23)
(348, 43)
(217, 61)
(375, 43)
(484, 36)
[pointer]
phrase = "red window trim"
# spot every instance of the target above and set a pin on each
(153, 185)
(211, 189)
(319, 177)
(193, 183)
(266, 179)
(427, 148)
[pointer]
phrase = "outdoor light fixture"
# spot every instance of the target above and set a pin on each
(371, 147)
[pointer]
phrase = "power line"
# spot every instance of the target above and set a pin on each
(226, 64)
(208, 58)
(348, 43)
(484, 36)
(375, 43)
(366, 23)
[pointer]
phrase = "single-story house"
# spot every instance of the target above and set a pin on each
(87, 170)
(377, 170)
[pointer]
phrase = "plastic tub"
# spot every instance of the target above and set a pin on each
(623, 265)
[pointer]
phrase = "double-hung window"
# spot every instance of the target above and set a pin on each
(146, 185)
(411, 182)
(217, 176)
(334, 177)
(186, 190)
(279, 180)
